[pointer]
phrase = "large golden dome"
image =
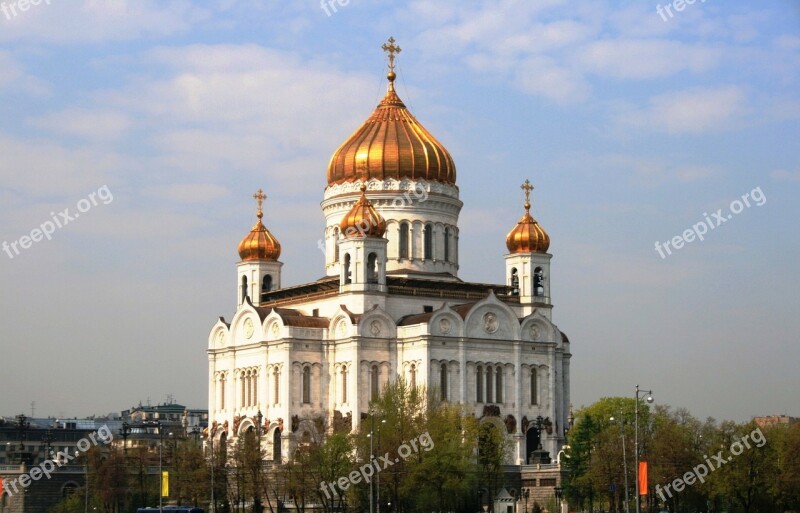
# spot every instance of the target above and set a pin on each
(527, 236)
(259, 244)
(391, 144)
(362, 220)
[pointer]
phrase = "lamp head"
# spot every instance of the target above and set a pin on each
(649, 398)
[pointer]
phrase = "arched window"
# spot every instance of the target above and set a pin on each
(243, 379)
(266, 284)
(254, 377)
(374, 384)
(447, 244)
(403, 242)
(306, 385)
(244, 288)
(514, 282)
(498, 392)
(427, 234)
(347, 277)
(222, 391)
(344, 384)
(413, 373)
(479, 384)
(538, 282)
(489, 383)
(443, 381)
(534, 387)
(276, 445)
(276, 386)
(336, 244)
(372, 268)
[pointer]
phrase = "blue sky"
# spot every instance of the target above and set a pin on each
(631, 128)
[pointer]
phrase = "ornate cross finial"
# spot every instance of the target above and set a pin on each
(527, 187)
(259, 196)
(391, 49)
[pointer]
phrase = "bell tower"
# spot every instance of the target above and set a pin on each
(259, 270)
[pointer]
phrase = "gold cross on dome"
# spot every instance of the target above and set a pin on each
(391, 49)
(527, 187)
(259, 196)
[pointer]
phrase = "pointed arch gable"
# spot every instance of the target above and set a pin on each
(377, 323)
(537, 328)
(446, 322)
(220, 334)
(246, 312)
(479, 318)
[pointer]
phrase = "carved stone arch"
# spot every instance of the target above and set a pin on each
(245, 424)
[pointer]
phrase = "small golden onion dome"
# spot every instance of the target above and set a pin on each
(362, 220)
(394, 143)
(527, 236)
(259, 244)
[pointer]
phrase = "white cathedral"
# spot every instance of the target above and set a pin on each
(298, 362)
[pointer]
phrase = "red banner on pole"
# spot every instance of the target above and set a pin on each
(642, 478)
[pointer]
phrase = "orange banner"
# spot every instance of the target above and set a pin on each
(642, 478)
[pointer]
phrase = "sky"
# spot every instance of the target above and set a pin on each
(135, 133)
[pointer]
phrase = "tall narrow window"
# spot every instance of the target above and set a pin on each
(538, 282)
(447, 244)
(306, 385)
(413, 373)
(514, 282)
(266, 284)
(244, 288)
(254, 377)
(243, 380)
(374, 385)
(443, 381)
(489, 380)
(222, 391)
(498, 392)
(372, 268)
(336, 244)
(344, 384)
(427, 235)
(347, 277)
(534, 387)
(479, 384)
(276, 386)
(403, 242)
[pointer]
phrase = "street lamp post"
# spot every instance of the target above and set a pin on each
(558, 492)
(85, 481)
(624, 459)
(213, 500)
(259, 419)
(649, 399)
(526, 492)
(378, 475)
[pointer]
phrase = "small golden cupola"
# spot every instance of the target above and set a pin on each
(259, 244)
(362, 220)
(527, 236)
(396, 145)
